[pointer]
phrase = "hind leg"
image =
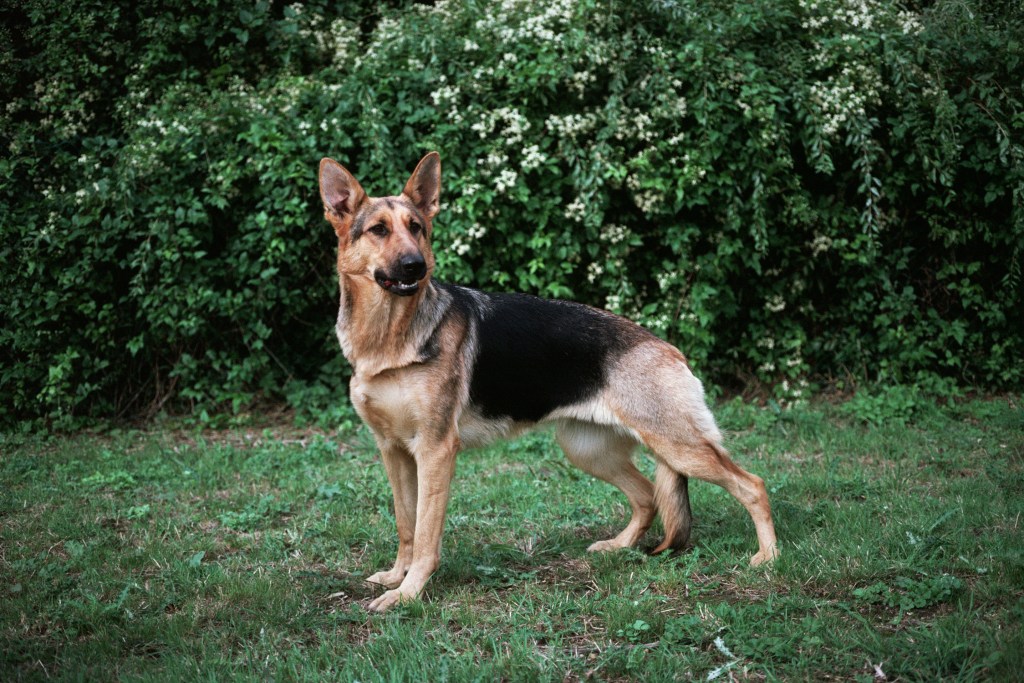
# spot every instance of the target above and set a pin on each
(677, 425)
(707, 460)
(606, 454)
(672, 499)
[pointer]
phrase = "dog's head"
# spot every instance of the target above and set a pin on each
(384, 239)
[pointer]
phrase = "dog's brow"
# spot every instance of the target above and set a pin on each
(374, 213)
(404, 209)
(413, 211)
(357, 225)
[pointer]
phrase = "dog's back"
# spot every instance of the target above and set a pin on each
(534, 356)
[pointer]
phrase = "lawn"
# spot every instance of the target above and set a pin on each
(179, 554)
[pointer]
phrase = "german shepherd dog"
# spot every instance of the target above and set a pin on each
(438, 367)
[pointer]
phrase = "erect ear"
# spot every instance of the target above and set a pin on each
(341, 192)
(424, 186)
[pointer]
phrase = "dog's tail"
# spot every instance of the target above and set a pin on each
(672, 498)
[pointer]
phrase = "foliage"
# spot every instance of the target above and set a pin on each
(890, 405)
(788, 190)
(908, 593)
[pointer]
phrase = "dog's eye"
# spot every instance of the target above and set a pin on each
(380, 230)
(415, 227)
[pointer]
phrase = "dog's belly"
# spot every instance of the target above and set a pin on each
(475, 429)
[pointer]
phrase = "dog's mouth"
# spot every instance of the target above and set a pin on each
(397, 286)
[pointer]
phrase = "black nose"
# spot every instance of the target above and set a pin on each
(413, 265)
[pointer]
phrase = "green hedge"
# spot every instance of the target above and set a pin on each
(789, 190)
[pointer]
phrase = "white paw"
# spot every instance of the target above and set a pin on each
(764, 557)
(388, 600)
(605, 546)
(390, 579)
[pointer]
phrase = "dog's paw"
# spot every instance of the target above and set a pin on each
(605, 546)
(388, 600)
(764, 557)
(389, 579)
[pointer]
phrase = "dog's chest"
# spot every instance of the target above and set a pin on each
(387, 404)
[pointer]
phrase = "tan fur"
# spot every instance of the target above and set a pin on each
(412, 362)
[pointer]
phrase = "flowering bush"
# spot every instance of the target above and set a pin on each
(788, 190)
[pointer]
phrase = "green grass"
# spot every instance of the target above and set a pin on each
(239, 555)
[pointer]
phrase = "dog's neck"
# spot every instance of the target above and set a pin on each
(378, 330)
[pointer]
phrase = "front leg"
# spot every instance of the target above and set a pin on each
(435, 468)
(401, 469)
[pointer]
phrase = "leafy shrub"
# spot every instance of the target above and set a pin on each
(889, 405)
(159, 238)
(785, 189)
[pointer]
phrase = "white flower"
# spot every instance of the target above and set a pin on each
(483, 127)
(648, 201)
(446, 94)
(576, 210)
(571, 125)
(666, 279)
(820, 244)
(532, 158)
(775, 304)
(613, 233)
(579, 81)
(505, 180)
(342, 37)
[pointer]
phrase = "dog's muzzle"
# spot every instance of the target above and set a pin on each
(406, 275)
